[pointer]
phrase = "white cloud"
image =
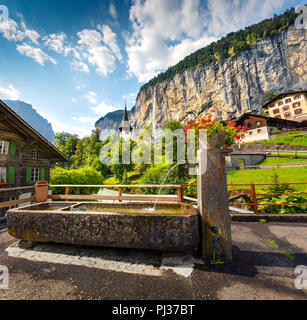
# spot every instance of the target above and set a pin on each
(59, 126)
(31, 34)
(91, 97)
(79, 87)
(101, 56)
(12, 32)
(102, 109)
(110, 39)
(35, 53)
(164, 32)
(74, 100)
(85, 120)
(56, 42)
(80, 65)
(112, 10)
(9, 93)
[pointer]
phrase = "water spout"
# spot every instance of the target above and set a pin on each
(163, 183)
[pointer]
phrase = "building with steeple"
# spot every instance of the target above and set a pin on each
(125, 127)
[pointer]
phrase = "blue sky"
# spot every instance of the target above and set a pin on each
(76, 60)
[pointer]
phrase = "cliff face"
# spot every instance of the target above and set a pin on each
(110, 121)
(29, 114)
(232, 87)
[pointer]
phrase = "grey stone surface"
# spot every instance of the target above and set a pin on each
(145, 231)
(213, 204)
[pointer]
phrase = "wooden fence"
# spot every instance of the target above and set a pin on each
(251, 191)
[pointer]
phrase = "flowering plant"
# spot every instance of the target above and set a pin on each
(213, 126)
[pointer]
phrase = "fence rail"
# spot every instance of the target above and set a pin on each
(253, 194)
(179, 197)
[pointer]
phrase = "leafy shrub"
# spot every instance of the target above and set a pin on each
(82, 176)
(279, 203)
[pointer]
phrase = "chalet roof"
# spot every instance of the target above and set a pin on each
(245, 115)
(28, 132)
(283, 94)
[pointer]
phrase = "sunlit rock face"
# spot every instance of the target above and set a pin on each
(233, 86)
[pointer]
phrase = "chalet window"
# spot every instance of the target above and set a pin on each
(280, 103)
(288, 100)
(34, 154)
(272, 105)
(259, 131)
(250, 133)
(297, 97)
(276, 111)
(285, 108)
(34, 174)
(287, 114)
(249, 125)
(4, 147)
(258, 123)
(296, 104)
(3, 174)
(298, 111)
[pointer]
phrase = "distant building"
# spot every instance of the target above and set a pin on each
(260, 127)
(289, 106)
(25, 155)
(125, 128)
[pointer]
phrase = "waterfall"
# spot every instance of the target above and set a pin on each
(154, 115)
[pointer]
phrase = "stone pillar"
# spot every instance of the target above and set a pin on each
(213, 202)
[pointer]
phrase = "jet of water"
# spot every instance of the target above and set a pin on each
(163, 183)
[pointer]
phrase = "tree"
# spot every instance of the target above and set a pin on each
(67, 143)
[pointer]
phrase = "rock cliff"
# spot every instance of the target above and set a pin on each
(233, 86)
(30, 115)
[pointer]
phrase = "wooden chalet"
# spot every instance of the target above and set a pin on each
(25, 155)
(260, 127)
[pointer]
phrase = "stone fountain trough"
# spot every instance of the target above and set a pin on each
(171, 227)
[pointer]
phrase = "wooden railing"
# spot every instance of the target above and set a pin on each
(179, 197)
(120, 197)
(15, 202)
(255, 196)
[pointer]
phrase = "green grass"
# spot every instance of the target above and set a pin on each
(296, 138)
(286, 175)
(274, 161)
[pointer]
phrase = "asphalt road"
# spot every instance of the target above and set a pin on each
(265, 257)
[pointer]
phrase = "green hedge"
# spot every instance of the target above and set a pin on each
(82, 176)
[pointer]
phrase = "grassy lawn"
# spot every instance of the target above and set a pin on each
(275, 161)
(298, 174)
(297, 138)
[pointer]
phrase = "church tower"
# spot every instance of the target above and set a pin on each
(125, 127)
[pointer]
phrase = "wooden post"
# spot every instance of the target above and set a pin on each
(67, 193)
(254, 197)
(120, 192)
(180, 193)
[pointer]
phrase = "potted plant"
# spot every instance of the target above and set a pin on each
(220, 134)
(2, 182)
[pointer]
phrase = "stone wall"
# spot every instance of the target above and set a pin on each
(233, 161)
